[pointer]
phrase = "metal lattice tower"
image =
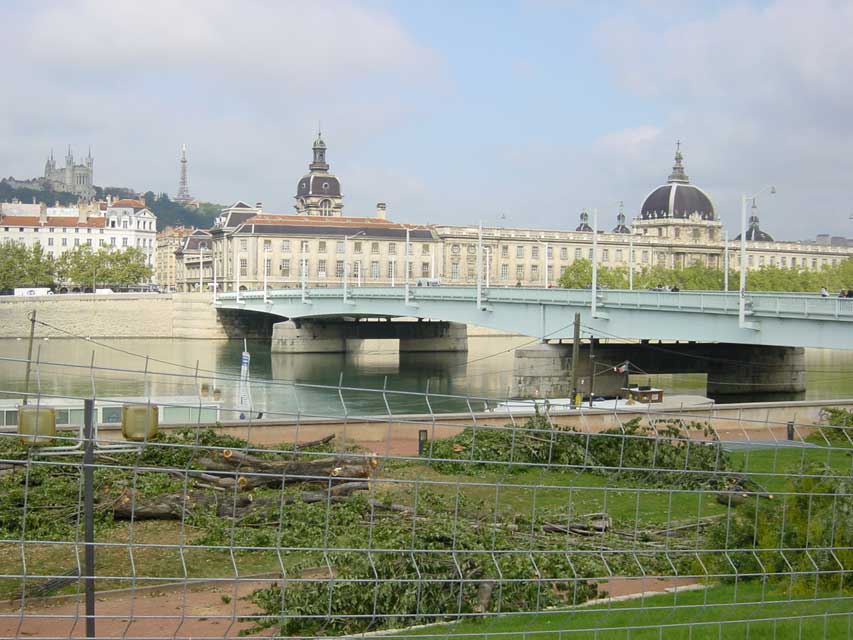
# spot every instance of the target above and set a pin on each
(183, 188)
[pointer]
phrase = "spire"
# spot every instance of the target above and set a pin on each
(678, 174)
(620, 217)
(183, 194)
(319, 163)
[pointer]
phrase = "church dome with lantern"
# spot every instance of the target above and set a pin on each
(677, 198)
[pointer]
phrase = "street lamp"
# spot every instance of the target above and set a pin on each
(346, 261)
(743, 201)
(201, 266)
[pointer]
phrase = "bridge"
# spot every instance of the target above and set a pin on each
(780, 319)
(703, 332)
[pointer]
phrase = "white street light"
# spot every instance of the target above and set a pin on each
(744, 200)
(594, 262)
(726, 261)
(201, 267)
(346, 261)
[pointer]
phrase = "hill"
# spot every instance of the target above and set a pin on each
(168, 212)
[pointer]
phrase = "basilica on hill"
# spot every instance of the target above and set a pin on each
(675, 226)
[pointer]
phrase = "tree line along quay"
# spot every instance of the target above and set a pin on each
(22, 266)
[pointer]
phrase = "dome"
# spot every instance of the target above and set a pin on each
(584, 224)
(677, 198)
(754, 232)
(318, 185)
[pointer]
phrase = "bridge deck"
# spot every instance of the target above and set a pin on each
(706, 316)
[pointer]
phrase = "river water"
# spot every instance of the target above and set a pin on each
(180, 367)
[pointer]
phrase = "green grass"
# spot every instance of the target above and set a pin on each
(662, 614)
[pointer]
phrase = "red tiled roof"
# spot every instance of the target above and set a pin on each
(52, 221)
(129, 202)
(330, 221)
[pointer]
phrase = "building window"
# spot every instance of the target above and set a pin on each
(645, 257)
(760, 261)
(784, 261)
(605, 255)
(590, 253)
(577, 253)
(356, 269)
(356, 247)
(618, 255)
(102, 242)
(374, 249)
(697, 234)
(339, 269)
(267, 246)
(454, 271)
(519, 272)
(534, 272)
(325, 206)
(374, 270)
(124, 224)
(564, 253)
(519, 251)
(65, 242)
(392, 269)
(243, 244)
(550, 251)
(534, 252)
(321, 268)
(424, 269)
(339, 247)
(793, 261)
(392, 248)
(284, 267)
(504, 271)
(304, 268)
(410, 271)
(123, 241)
(267, 266)
(321, 246)
(50, 242)
(304, 246)
(549, 273)
(244, 267)
(285, 246)
(505, 251)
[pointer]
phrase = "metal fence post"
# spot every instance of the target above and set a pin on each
(89, 513)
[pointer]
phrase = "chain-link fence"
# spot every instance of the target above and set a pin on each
(483, 518)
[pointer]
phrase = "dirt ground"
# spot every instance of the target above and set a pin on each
(201, 612)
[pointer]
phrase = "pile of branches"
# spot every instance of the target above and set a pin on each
(661, 453)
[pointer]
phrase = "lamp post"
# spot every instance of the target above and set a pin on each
(200, 267)
(346, 261)
(406, 266)
(213, 260)
(488, 266)
(631, 261)
(726, 261)
(742, 305)
(480, 266)
(594, 262)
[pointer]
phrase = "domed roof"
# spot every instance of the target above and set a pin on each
(584, 224)
(313, 184)
(677, 198)
(754, 232)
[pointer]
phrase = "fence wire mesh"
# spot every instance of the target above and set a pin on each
(434, 516)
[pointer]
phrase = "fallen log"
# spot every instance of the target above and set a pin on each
(173, 506)
(314, 443)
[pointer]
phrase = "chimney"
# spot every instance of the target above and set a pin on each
(82, 214)
(380, 210)
(42, 213)
(259, 206)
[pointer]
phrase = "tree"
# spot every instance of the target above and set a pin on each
(21, 266)
(119, 267)
(578, 275)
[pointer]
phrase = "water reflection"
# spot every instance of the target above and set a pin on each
(171, 367)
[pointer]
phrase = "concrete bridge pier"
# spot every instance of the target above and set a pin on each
(544, 371)
(319, 336)
(756, 369)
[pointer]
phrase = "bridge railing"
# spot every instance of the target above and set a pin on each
(779, 304)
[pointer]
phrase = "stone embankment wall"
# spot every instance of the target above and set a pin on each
(113, 316)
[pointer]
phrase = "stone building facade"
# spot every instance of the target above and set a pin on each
(677, 226)
(71, 177)
(115, 223)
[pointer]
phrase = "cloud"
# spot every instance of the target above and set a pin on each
(761, 94)
(244, 84)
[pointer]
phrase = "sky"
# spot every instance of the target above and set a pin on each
(513, 113)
